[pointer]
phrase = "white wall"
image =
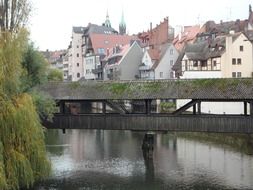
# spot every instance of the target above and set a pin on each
(201, 74)
(146, 59)
(76, 61)
(130, 62)
(165, 66)
(90, 62)
(233, 51)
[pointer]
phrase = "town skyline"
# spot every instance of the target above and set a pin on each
(51, 29)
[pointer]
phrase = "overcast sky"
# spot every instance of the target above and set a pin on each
(52, 20)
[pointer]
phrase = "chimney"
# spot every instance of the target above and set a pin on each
(150, 26)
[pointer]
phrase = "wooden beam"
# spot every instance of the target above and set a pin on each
(117, 107)
(194, 109)
(245, 108)
(62, 107)
(148, 106)
(185, 107)
(199, 107)
(251, 108)
(104, 107)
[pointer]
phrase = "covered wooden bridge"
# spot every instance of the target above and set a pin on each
(132, 105)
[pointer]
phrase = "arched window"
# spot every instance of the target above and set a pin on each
(78, 75)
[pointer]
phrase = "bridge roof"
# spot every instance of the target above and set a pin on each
(205, 89)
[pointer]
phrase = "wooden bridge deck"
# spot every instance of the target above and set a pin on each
(154, 122)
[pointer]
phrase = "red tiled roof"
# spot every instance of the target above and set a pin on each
(154, 54)
(106, 41)
(188, 35)
(122, 51)
(155, 36)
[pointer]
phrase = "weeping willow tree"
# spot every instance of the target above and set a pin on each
(22, 150)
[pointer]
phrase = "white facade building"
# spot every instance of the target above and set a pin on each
(75, 54)
(229, 56)
(157, 63)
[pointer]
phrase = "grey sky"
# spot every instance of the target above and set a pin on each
(52, 20)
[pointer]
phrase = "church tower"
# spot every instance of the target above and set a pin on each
(122, 25)
(107, 21)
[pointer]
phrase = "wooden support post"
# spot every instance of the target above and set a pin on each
(194, 109)
(199, 107)
(251, 108)
(148, 106)
(245, 108)
(103, 107)
(62, 107)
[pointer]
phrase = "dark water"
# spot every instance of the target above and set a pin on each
(113, 160)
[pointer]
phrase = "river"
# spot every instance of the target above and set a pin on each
(113, 160)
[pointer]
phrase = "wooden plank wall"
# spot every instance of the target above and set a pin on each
(184, 123)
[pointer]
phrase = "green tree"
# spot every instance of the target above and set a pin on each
(34, 68)
(55, 75)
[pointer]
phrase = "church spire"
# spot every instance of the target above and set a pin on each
(107, 20)
(122, 25)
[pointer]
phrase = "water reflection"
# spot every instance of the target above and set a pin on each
(90, 159)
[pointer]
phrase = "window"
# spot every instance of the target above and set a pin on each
(77, 55)
(171, 52)
(203, 63)
(77, 64)
(233, 61)
(101, 51)
(171, 62)
(214, 63)
(239, 61)
(161, 74)
(234, 74)
(239, 74)
(241, 48)
(78, 75)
